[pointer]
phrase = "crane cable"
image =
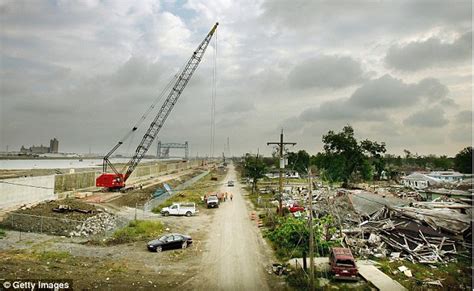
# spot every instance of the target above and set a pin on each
(213, 99)
(150, 109)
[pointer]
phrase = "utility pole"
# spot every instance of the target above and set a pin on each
(311, 233)
(281, 146)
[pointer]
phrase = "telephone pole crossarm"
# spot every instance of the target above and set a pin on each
(281, 145)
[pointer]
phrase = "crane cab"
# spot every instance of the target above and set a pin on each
(110, 180)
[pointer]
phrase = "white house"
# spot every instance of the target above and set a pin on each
(447, 176)
(419, 181)
(288, 175)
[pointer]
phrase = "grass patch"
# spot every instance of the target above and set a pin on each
(453, 275)
(137, 230)
(49, 256)
(2, 233)
(299, 280)
(194, 192)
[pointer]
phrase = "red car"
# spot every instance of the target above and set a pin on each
(296, 208)
(342, 263)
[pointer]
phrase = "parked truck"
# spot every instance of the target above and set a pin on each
(187, 209)
(212, 202)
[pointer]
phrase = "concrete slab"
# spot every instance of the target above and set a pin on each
(378, 278)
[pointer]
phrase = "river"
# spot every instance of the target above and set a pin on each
(59, 163)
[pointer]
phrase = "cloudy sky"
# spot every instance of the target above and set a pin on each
(85, 71)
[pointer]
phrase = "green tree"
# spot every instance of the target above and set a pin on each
(254, 168)
(299, 161)
(375, 151)
(442, 163)
(463, 161)
(344, 158)
(291, 236)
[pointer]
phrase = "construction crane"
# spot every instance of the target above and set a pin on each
(116, 180)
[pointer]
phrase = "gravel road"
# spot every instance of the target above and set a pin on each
(235, 252)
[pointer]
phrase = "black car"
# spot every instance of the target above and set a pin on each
(170, 241)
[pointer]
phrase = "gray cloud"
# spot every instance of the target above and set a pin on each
(464, 116)
(340, 110)
(431, 117)
(373, 100)
(389, 92)
(384, 92)
(430, 53)
(326, 72)
(239, 106)
(364, 19)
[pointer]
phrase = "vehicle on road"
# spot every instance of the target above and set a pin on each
(187, 209)
(342, 264)
(170, 241)
(230, 183)
(212, 202)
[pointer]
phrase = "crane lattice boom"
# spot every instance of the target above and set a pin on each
(116, 179)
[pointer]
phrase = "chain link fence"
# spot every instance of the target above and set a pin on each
(100, 225)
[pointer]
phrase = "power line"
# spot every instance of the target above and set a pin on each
(26, 185)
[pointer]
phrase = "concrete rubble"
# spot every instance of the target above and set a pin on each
(96, 224)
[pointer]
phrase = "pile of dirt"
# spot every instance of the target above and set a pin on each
(46, 209)
(135, 197)
(80, 219)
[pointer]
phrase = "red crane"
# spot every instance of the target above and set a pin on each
(116, 180)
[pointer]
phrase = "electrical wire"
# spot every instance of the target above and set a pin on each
(26, 185)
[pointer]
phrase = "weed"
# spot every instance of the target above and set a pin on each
(53, 256)
(453, 275)
(137, 230)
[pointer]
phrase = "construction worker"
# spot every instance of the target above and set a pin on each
(231, 196)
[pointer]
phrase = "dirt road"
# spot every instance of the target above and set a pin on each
(235, 253)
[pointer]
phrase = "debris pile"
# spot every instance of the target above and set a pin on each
(96, 224)
(424, 234)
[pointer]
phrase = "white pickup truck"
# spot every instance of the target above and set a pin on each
(187, 209)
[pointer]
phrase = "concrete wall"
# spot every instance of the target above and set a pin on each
(14, 192)
(81, 180)
(68, 182)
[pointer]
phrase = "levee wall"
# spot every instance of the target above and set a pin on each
(14, 192)
(69, 182)
(82, 180)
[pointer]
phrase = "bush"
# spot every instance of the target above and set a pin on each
(138, 230)
(290, 237)
(2, 233)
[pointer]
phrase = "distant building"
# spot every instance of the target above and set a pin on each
(419, 181)
(289, 175)
(447, 176)
(53, 148)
